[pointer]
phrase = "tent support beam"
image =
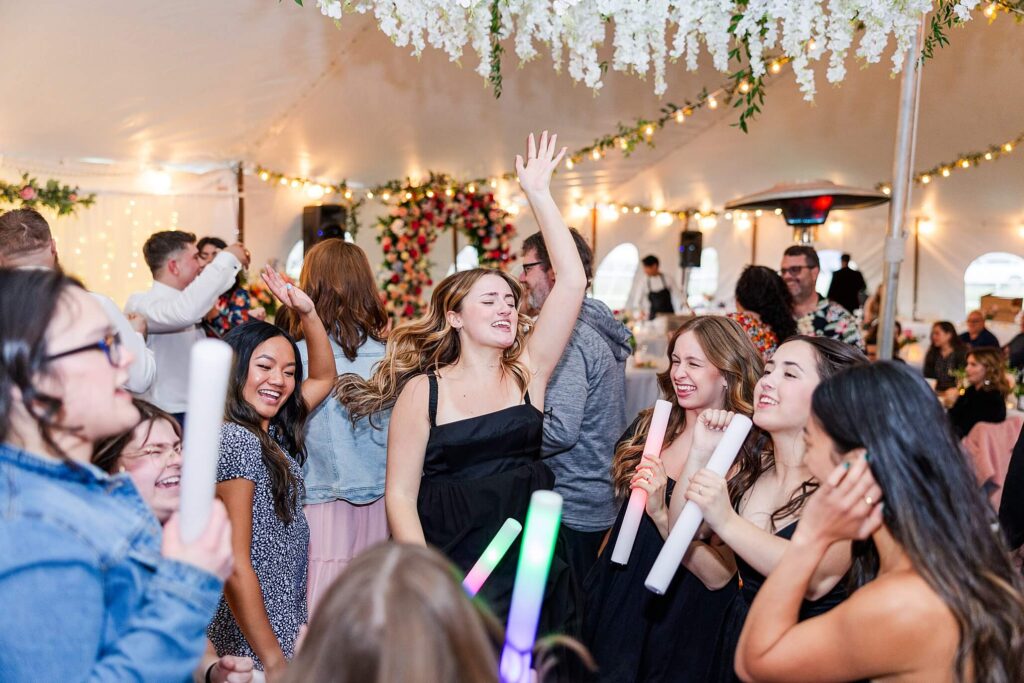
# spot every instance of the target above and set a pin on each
(240, 180)
(902, 167)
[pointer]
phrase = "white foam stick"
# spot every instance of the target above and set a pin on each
(209, 367)
(686, 526)
(638, 497)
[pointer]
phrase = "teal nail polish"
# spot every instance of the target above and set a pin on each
(867, 457)
(846, 465)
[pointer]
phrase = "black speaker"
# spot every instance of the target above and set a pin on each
(322, 222)
(690, 246)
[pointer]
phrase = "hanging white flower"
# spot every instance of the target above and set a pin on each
(646, 35)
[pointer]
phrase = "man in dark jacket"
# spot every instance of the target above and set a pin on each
(585, 408)
(847, 286)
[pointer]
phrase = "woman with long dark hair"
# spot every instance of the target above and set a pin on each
(757, 511)
(946, 355)
(764, 308)
(90, 587)
(344, 468)
(260, 481)
(634, 634)
(468, 384)
(939, 598)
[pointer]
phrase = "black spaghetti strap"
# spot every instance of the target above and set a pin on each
(526, 397)
(433, 399)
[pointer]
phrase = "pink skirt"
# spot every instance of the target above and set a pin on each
(338, 531)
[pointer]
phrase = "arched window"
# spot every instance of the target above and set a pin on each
(293, 264)
(703, 282)
(997, 273)
(830, 263)
(614, 276)
(465, 260)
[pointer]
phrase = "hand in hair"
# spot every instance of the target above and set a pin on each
(846, 506)
(651, 477)
(535, 173)
(290, 295)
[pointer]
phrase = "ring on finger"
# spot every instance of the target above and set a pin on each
(700, 491)
(869, 500)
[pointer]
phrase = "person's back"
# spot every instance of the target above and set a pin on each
(846, 288)
(586, 416)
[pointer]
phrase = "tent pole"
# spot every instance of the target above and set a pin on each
(593, 229)
(917, 261)
(902, 166)
(753, 242)
(455, 249)
(240, 180)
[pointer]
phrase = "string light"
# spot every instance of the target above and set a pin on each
(744, 86)
(712, 102)
(680, 116)
(925, 179)
(596, 154)
(649, 131)
(569, 164)
(990, 11)
(776, 67)
(944, 172)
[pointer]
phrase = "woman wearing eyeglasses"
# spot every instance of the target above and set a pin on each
(151, 455)
(90, 588)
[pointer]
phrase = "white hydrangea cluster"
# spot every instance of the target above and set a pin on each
(648, 34)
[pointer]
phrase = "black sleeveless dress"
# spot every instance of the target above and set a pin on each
(736, 613)
(477, 473)
(636, 635)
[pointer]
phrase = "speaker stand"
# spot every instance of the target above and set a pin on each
(685, 295)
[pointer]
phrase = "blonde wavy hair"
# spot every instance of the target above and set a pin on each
(730, 350)
(427, 344)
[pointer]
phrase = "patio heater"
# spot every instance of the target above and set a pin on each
(805, 206)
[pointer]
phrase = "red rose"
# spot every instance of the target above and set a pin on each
(422, 240)
(430, 283)
(418, 290)
(415, 225)
(386, 247)
(409, 310)
(395, 278)
(413, 254)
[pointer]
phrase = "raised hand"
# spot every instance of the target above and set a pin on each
(708, 431)
(845, 507)
(290, 295)
(535, 173)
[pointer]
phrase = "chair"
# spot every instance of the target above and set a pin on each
(990, 445)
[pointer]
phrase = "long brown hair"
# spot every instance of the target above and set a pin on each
(398, 615)
(831, 356)
(337, 277)
(994, 362)
(427, 344)
(730, 350)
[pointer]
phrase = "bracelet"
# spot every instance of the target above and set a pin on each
(209, 671)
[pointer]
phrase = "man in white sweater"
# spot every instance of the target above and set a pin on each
(26, 242)
(183, 292)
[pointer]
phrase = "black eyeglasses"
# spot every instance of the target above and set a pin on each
(531, 264)
(110, 345)
(793, 270)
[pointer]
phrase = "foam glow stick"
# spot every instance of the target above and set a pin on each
(638, 497)
(495, 550)
(209, 367)
(542, 520)
(690, 518)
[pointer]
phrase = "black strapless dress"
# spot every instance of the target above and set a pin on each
(636, 635)
(477, 473)
(736, 614)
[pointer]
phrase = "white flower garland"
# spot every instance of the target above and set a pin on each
(804, 30)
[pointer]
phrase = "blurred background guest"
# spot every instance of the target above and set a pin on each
(985, 398)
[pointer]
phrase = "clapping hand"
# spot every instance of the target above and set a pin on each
(291, 296)
(535, 173)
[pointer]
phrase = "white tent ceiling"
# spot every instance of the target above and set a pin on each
(194, 82)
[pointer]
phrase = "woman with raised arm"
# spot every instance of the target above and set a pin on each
(260, 481)
(756, 512)
(467, 384)
(940, 600)
(634, 634)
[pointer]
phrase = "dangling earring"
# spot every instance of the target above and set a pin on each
(121, 470)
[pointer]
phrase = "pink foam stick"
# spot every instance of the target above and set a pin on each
(638, 497)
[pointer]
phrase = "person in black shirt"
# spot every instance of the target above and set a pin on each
(848, 286)
(1011, 506)
(945, 356)
(985, 398)
(977, 335)
(1015, 349)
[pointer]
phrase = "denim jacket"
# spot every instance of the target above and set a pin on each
(342, 462)
(85, 593)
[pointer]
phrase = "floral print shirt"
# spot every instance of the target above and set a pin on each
(830, 320)
(233, 310)
(763, 336)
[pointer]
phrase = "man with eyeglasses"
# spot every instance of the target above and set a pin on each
(26, 242)
(183, 291)
(814, 314)
(586, 407)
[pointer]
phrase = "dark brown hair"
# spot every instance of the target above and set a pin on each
(160, 246)
(807, 252)
(337, 277)
(994, 362)
(108, 451)
(22, 231)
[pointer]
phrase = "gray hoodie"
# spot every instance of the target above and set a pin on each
(585, 415)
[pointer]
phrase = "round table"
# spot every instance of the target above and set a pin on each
(641, 389)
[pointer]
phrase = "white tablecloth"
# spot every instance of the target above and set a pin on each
(641, 389)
